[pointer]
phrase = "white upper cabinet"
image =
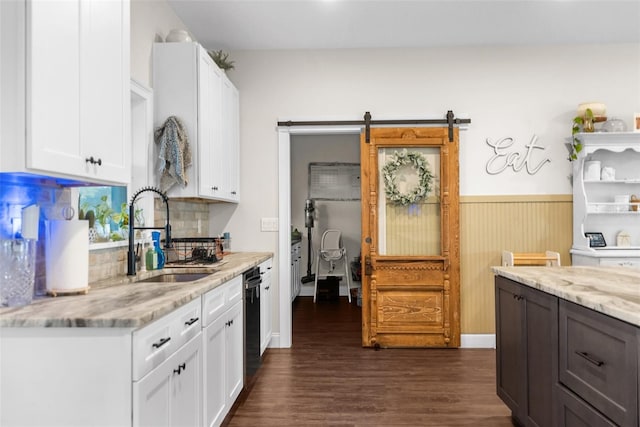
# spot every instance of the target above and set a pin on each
(75, 90)
(189, 85)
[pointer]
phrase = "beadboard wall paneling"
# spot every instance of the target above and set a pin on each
(490, 224)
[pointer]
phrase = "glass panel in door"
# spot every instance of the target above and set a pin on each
(409, 213)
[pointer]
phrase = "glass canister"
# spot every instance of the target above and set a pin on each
(17, 271)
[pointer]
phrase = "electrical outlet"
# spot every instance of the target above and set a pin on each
(269, 224)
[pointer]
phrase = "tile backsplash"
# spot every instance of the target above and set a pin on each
(189, 218)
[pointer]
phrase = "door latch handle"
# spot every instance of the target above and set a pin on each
(368, 268)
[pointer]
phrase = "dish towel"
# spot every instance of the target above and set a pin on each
(174, 156)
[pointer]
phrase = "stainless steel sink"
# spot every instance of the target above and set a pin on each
(175, 278)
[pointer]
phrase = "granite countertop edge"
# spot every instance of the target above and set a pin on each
(121, 303)
(614, 291)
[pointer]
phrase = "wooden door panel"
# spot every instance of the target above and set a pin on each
(409, 309)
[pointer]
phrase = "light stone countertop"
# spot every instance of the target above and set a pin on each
(119, 303)
(614, 291)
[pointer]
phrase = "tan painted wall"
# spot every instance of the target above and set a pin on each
(490, 224)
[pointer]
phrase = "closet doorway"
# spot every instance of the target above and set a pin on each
(321, 171)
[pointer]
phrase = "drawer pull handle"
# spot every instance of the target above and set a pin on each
(191, 321)
(589, 358)
(162, 342)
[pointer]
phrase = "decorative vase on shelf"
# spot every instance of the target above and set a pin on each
(178, 36)
(103, 232)
(614, 125)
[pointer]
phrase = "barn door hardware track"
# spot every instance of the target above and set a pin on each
(450, 121)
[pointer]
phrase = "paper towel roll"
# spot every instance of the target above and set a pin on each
(67, 255)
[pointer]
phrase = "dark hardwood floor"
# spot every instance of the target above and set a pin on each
(328, 379)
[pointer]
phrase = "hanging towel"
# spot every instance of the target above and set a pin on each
(174, 156)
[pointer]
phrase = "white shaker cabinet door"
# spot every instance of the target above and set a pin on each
(265, 305)
(209, 121)
(186, 385)
(229, 161)
(152, 398)
(235, 353)
(53, 92)
(169, 395)
(78, 89)
(215, 402)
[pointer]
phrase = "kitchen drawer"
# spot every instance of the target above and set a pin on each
(598, 361)
(188, 323)
(620, 262)
(572, 411)
(233, 291)
(217, 300)
(154, 343)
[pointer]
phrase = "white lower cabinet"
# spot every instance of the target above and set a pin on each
(296, 274)
(185, 368)
(167, 369)
(266, 329)
(222, 336)
(170, 395)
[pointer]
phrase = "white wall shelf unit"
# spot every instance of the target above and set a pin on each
(595, 208)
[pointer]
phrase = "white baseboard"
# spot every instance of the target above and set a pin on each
(478, 341)
(275, 341)
(466, 341)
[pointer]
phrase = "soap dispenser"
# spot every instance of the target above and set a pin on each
(151, 258)
(155, 235)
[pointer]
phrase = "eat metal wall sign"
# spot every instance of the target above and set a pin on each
(505, 156)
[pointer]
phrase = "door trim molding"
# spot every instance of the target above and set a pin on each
(284, 221)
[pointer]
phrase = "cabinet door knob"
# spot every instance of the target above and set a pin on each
(93, 161)
(233, 192)
(214, 188)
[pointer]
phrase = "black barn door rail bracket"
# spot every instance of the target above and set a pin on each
(450, 121)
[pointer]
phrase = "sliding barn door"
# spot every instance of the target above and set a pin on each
(410, 238)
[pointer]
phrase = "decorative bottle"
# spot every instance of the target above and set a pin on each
(155, 235)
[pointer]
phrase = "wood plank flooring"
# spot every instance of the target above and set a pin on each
(328, 379)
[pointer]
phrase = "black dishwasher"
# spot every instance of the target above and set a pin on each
(252, 280)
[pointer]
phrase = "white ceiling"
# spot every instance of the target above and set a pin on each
(320, 24)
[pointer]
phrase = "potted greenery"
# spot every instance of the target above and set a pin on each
(580, 124)
(104, 215)
(122, 218)
(221, 59)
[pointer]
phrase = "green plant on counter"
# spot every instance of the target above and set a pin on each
(104, 212)
(221, 59)
(122, 217)
(580, 124)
